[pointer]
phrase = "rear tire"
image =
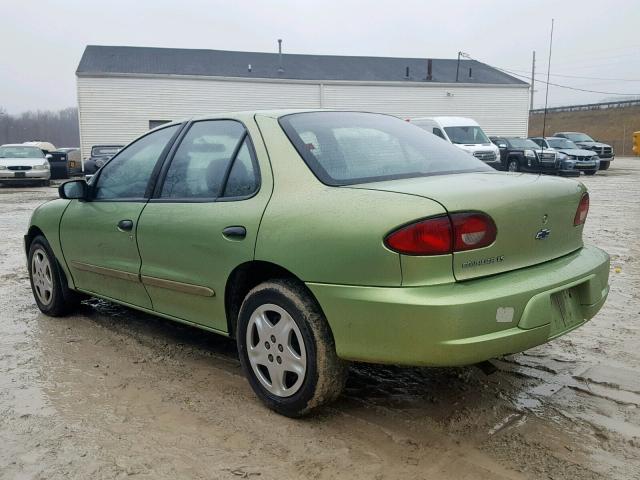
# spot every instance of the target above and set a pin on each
(48, 282)
(604, 165)
(287, 350)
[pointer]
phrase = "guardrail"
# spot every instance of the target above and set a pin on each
(588, 106)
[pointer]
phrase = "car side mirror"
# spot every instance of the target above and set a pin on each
(502, 145)
(48, 156)
(74, 190)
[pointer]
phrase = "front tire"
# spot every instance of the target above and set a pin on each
(604, 165)
(590, 172)
(513, 165)
(48, 282)
(287, 350)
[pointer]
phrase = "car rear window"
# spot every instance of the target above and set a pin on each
(345, 148)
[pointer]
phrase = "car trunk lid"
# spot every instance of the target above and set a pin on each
(534, 216)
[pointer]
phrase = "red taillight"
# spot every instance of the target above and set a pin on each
(583, 210)
(472, 230)
(444, 234)
(427, 237)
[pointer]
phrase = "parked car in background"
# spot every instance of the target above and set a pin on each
(65, 162)
(318, 237)
(523, 155)
(465, 134)
(100, 154)
(21, 163)
(571, 155)
(605, 152)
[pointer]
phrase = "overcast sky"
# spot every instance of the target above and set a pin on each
(42, 41)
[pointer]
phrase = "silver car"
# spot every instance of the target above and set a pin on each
(23, 163)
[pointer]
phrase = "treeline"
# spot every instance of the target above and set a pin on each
(58, 127)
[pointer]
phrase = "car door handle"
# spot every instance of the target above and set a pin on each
(235, 232)
(125, 225)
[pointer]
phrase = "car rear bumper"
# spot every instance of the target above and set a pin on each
(29, 175)
(466, 322)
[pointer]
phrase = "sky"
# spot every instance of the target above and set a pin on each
(595, 44)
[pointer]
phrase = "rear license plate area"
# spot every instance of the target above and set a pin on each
(565, 310)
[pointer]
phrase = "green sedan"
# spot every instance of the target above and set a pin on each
(318, 237)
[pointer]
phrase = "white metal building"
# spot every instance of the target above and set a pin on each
(124, 91)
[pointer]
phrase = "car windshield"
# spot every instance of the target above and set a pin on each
(579, 137)
(102, 151)
(471, 135)
(344, 148)
(20, 152)
(523, 144)
(561, 143)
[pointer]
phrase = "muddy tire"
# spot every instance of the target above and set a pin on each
(48, 282)
(287, 350)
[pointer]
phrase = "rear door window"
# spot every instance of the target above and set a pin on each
(213, 159)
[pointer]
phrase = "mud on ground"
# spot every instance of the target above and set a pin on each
(112, 393)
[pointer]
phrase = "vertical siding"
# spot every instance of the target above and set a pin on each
(499, 110)
(118, 109)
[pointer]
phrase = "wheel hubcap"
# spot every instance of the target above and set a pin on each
(513, 167)
(276, 350)
(41, 276)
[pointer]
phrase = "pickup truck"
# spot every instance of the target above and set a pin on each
(605, 152)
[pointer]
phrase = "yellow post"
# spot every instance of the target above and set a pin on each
(636, 143)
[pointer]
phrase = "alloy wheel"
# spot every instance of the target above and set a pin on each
(42, 276)
(276, 351)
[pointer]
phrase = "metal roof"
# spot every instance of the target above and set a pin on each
(113, 60)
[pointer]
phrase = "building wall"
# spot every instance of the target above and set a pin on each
(117, 109)
(614, 126)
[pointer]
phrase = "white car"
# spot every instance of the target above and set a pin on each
(464, 133)
(23, 163)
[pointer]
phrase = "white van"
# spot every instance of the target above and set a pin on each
(464, 133)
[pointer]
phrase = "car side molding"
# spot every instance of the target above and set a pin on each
(178, 286)
(146, 280)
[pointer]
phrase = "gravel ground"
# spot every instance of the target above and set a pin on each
(112, 393)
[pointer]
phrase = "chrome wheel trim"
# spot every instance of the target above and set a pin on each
(276, 351)
(42, 276)
(513, 166)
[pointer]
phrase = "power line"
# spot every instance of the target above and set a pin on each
(581, 77)
(567, 86)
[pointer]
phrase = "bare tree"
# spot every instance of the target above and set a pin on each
(58, 127)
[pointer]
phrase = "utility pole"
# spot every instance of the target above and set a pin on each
(533, 78)
(546, 97)
(458, 66)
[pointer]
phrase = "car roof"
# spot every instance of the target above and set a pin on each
(451, 121)
(248, 114)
